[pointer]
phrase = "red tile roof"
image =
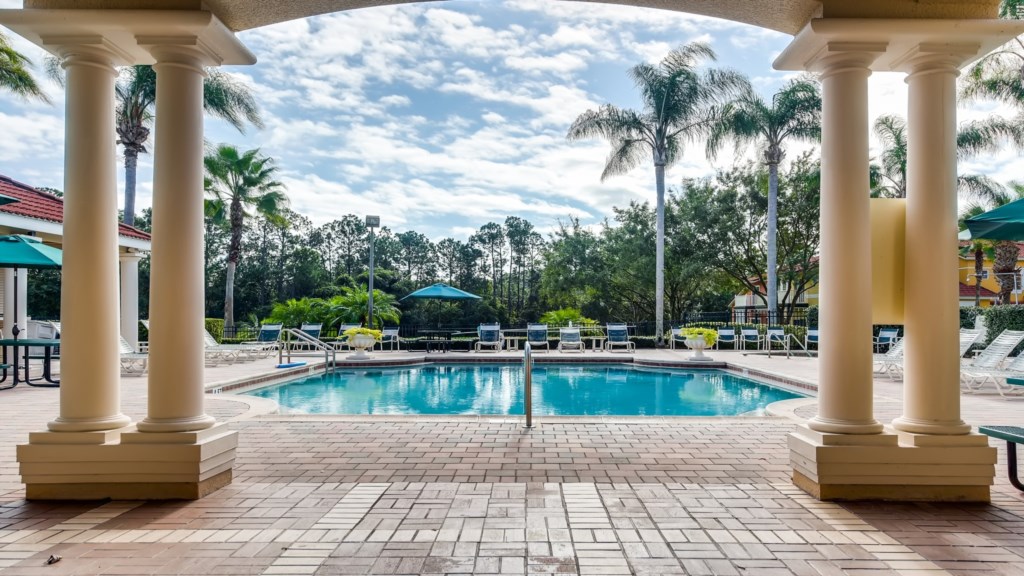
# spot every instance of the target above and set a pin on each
(967, 291)
(40, 205)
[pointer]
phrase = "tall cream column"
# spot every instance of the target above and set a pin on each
(177, 296)
(931, 388)
(844, 373)
(130, 297)
(90, 368)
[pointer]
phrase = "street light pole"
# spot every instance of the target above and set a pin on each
(371, 223)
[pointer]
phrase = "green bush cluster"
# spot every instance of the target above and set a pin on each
(1005, 317)
(812, 316)
(968, 315)
(215, 326)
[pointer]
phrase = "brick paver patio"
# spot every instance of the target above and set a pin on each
(337, 495)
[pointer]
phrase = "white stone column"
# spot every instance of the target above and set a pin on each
(10, 315)
(931, 386)
(90, 368)
(130, 297)
(845, 369)
(177, 291)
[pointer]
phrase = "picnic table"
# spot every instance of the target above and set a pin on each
(26, 343)
(1013, 435)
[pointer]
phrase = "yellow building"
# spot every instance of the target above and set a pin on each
(989, 285)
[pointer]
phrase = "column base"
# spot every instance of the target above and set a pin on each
(132, 466)
(890, 466)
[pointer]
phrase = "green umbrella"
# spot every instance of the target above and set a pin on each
(18, 251)
(1003, 223)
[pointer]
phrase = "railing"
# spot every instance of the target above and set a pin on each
(528, 383)
(305, 340)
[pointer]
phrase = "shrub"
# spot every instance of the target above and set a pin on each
(968, 316)
(710, 335)
(215, 326)
(363, 332)
(564, 316)
(1004, 317)
(812, 316)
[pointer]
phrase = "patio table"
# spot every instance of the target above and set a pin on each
(26, 343)
(439, 340)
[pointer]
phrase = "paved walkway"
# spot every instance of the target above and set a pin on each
(336, 495)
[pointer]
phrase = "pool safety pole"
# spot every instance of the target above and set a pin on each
(528, 377)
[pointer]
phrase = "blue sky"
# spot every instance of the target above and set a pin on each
(443, 116)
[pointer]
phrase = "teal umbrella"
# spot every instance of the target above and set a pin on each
(441, 291)
(1003, 223)
(18, 251)
(7, 200)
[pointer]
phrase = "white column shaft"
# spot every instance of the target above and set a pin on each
(130, 298)
(931, 388)
(90, 368)
(177, 292)
(845, 373)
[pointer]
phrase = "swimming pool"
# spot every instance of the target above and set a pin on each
(584, 390)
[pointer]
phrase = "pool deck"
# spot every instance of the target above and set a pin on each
(449, 495)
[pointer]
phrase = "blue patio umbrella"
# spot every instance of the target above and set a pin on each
(18, 251)
(441, 291)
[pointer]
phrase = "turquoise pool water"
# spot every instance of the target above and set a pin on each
(565, 390)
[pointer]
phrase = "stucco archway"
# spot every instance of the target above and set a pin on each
(843, 41)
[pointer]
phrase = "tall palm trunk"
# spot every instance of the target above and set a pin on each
(234, 253)
(131, 161)
(1005, 268)
(659, 254)
(773, 157)
(979, 269)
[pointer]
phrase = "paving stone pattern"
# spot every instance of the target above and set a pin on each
(448, 496)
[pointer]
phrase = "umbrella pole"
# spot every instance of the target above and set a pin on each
(14, 328)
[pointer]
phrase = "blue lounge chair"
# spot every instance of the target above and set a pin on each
(569, 339)
(726, 336)
(312, 330)
(268, 339)
(751, 336)
(618, 335)
(537, 336)
(886, 337)
(489, 335)
(811, 338)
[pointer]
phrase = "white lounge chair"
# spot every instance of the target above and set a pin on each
(489, 336)
(726, 336)
(891, 363)
(390, 337)
(132, 362)
(989, 360)
(537, 336)
(569, 339)
(618, 335)
(751, 336)
(886, 337)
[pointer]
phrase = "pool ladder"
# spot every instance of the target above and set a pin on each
(528, 383)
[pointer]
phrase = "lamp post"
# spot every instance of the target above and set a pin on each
(371, 223)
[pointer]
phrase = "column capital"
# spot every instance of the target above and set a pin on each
(129, 32)
(183, 51)
(93, 51)
(127, 257)
(936, 58)
(837, 57)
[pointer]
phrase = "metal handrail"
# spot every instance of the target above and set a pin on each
(528, 382)
(330, 353)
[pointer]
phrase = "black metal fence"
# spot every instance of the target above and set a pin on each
(644, 329)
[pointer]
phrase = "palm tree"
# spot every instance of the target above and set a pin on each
(223, 98)
(245, 184)
(680, 104)
(972, 138)
(794, 112)
(353, 306)
(14, 74)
